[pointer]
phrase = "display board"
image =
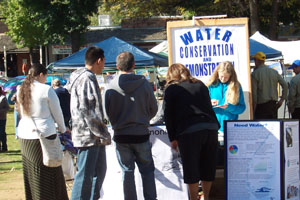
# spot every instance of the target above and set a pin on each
(201, 45)
(262, 159)
(168, 170)
(291, 155)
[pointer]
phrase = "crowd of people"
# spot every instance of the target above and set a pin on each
(193, 113)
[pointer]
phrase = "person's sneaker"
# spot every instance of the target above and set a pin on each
(3, 151)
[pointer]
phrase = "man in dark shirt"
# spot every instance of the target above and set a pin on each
(64, 99)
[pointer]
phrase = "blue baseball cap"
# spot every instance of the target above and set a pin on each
(296, 63)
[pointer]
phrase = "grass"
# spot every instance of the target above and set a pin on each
(11, 160)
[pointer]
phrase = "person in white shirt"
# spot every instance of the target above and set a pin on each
(40, 110)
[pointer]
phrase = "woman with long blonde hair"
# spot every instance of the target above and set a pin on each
(226, 93)
(192, 127)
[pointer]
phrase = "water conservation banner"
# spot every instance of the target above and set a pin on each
(262, 159)
(202, 44)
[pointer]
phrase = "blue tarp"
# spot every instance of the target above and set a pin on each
(112, 47)
(270, 52)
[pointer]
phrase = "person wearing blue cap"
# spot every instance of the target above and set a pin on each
(264, 82)
(294, 91)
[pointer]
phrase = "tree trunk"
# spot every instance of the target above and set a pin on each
(34, 56)
(273, 21)
(254, 19)
(75, 41)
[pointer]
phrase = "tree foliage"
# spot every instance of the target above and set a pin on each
(33, 23)
(66, 18)
(24, 28)
(287, 11)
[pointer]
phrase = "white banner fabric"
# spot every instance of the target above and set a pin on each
(168, 170)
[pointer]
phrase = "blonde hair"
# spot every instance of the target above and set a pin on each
(178, 73)
(232, 94)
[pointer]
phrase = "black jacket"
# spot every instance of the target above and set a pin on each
(188, 105)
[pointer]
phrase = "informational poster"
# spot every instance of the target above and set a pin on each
(291, 155)
(168, 170)
(143, 72)
(201, 45)
(253, 160)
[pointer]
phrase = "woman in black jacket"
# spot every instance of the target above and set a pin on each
(192, 127)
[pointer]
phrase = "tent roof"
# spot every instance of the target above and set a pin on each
(112, 47)
(271, 54)
(288, 48)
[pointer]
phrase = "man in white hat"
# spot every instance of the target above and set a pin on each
(264, 82)
(294, 91)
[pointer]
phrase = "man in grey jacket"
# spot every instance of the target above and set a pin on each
(130, 104)
(88, 128)
(264, 83)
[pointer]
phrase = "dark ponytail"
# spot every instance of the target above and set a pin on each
(25, 95)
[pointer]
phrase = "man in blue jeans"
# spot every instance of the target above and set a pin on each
(130, 104)
(89, 132)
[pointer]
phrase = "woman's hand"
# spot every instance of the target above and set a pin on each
(224, 106)
(174, 145)
(214, 102)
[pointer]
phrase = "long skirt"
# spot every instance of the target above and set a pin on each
(41, 182)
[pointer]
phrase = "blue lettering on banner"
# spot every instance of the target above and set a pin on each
(217, 34)
(213, 66)
(209, 50)
(181, 52)
(208, 33)
(191, 52)
(199, 35)
(197, 70)
(191, 68)
(202, 69)
(187, 38)
(205, 69)
(214, 50)
(204, 51)
(227, 36)
(186, 52)
(196, 51)
(200, 51)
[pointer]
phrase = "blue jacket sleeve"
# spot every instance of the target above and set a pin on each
(240, 107)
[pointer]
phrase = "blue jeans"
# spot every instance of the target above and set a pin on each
(91, 164)
(17, 120)
(127, 155)
(3, 144)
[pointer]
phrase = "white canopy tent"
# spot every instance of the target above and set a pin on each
(288, 48)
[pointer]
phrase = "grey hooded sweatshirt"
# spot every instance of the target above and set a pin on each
(88, 126)
(129, 105)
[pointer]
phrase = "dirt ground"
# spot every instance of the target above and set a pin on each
(12, 186)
